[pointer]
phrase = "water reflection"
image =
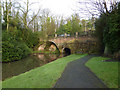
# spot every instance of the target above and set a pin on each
(31, 62)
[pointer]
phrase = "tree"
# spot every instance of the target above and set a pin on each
(107, 29)
(25, 14)
(15, 22)
(47, 24)
(0, 28)
(100, 24)
(83, 25)
(97, 7)
(75, 24)
(68, 27)
(6, 13)
(111, 32)
(53, 26)
(35, 23)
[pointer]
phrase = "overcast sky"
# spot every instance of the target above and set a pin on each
(63, 8)
(57, 7)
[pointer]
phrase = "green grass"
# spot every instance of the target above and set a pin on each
(41, 77)
(106, 71)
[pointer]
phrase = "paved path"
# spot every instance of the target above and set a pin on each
(77, 75)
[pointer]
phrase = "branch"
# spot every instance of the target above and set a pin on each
(105, 6)
(33, 17)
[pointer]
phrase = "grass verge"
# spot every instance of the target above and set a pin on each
(41, 77)
(106, 71)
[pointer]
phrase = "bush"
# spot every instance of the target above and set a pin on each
(13, 47)
(13, 51)
(18, 44)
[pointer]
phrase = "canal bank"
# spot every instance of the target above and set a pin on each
(41, 77)
(33, 61)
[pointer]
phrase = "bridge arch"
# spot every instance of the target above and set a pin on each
(66, 51)
(48, 45)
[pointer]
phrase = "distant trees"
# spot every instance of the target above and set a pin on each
(19, 16)
(74, 24)
(61, 27)
(47, 24)
(68, 26)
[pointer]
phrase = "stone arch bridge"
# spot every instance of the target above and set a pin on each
(70, 45)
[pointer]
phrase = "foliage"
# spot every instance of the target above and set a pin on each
(61, 30)
(68, 27)
(41, 77)
(13, 48)
(75, 24)
(14, 51)
(100, 24)
(108, 29)
(18, 39)
(18, 44)
(31, 38)
(111, 32)
(107, 71)
(71, 27)
(47, 25)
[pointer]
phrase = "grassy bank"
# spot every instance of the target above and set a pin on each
(106, 71)
(41, 77)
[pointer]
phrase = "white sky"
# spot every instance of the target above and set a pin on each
(58, 7)
(63, 8)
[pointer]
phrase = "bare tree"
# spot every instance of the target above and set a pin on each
(7, 10)
(25, 14)
(35, 23)
(96, 7)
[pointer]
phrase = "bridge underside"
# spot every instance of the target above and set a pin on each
(49, 46)
(66, 51)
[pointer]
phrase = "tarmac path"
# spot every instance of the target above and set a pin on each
(77, 75)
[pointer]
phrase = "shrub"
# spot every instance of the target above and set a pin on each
(14, 51)
(13, 47)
